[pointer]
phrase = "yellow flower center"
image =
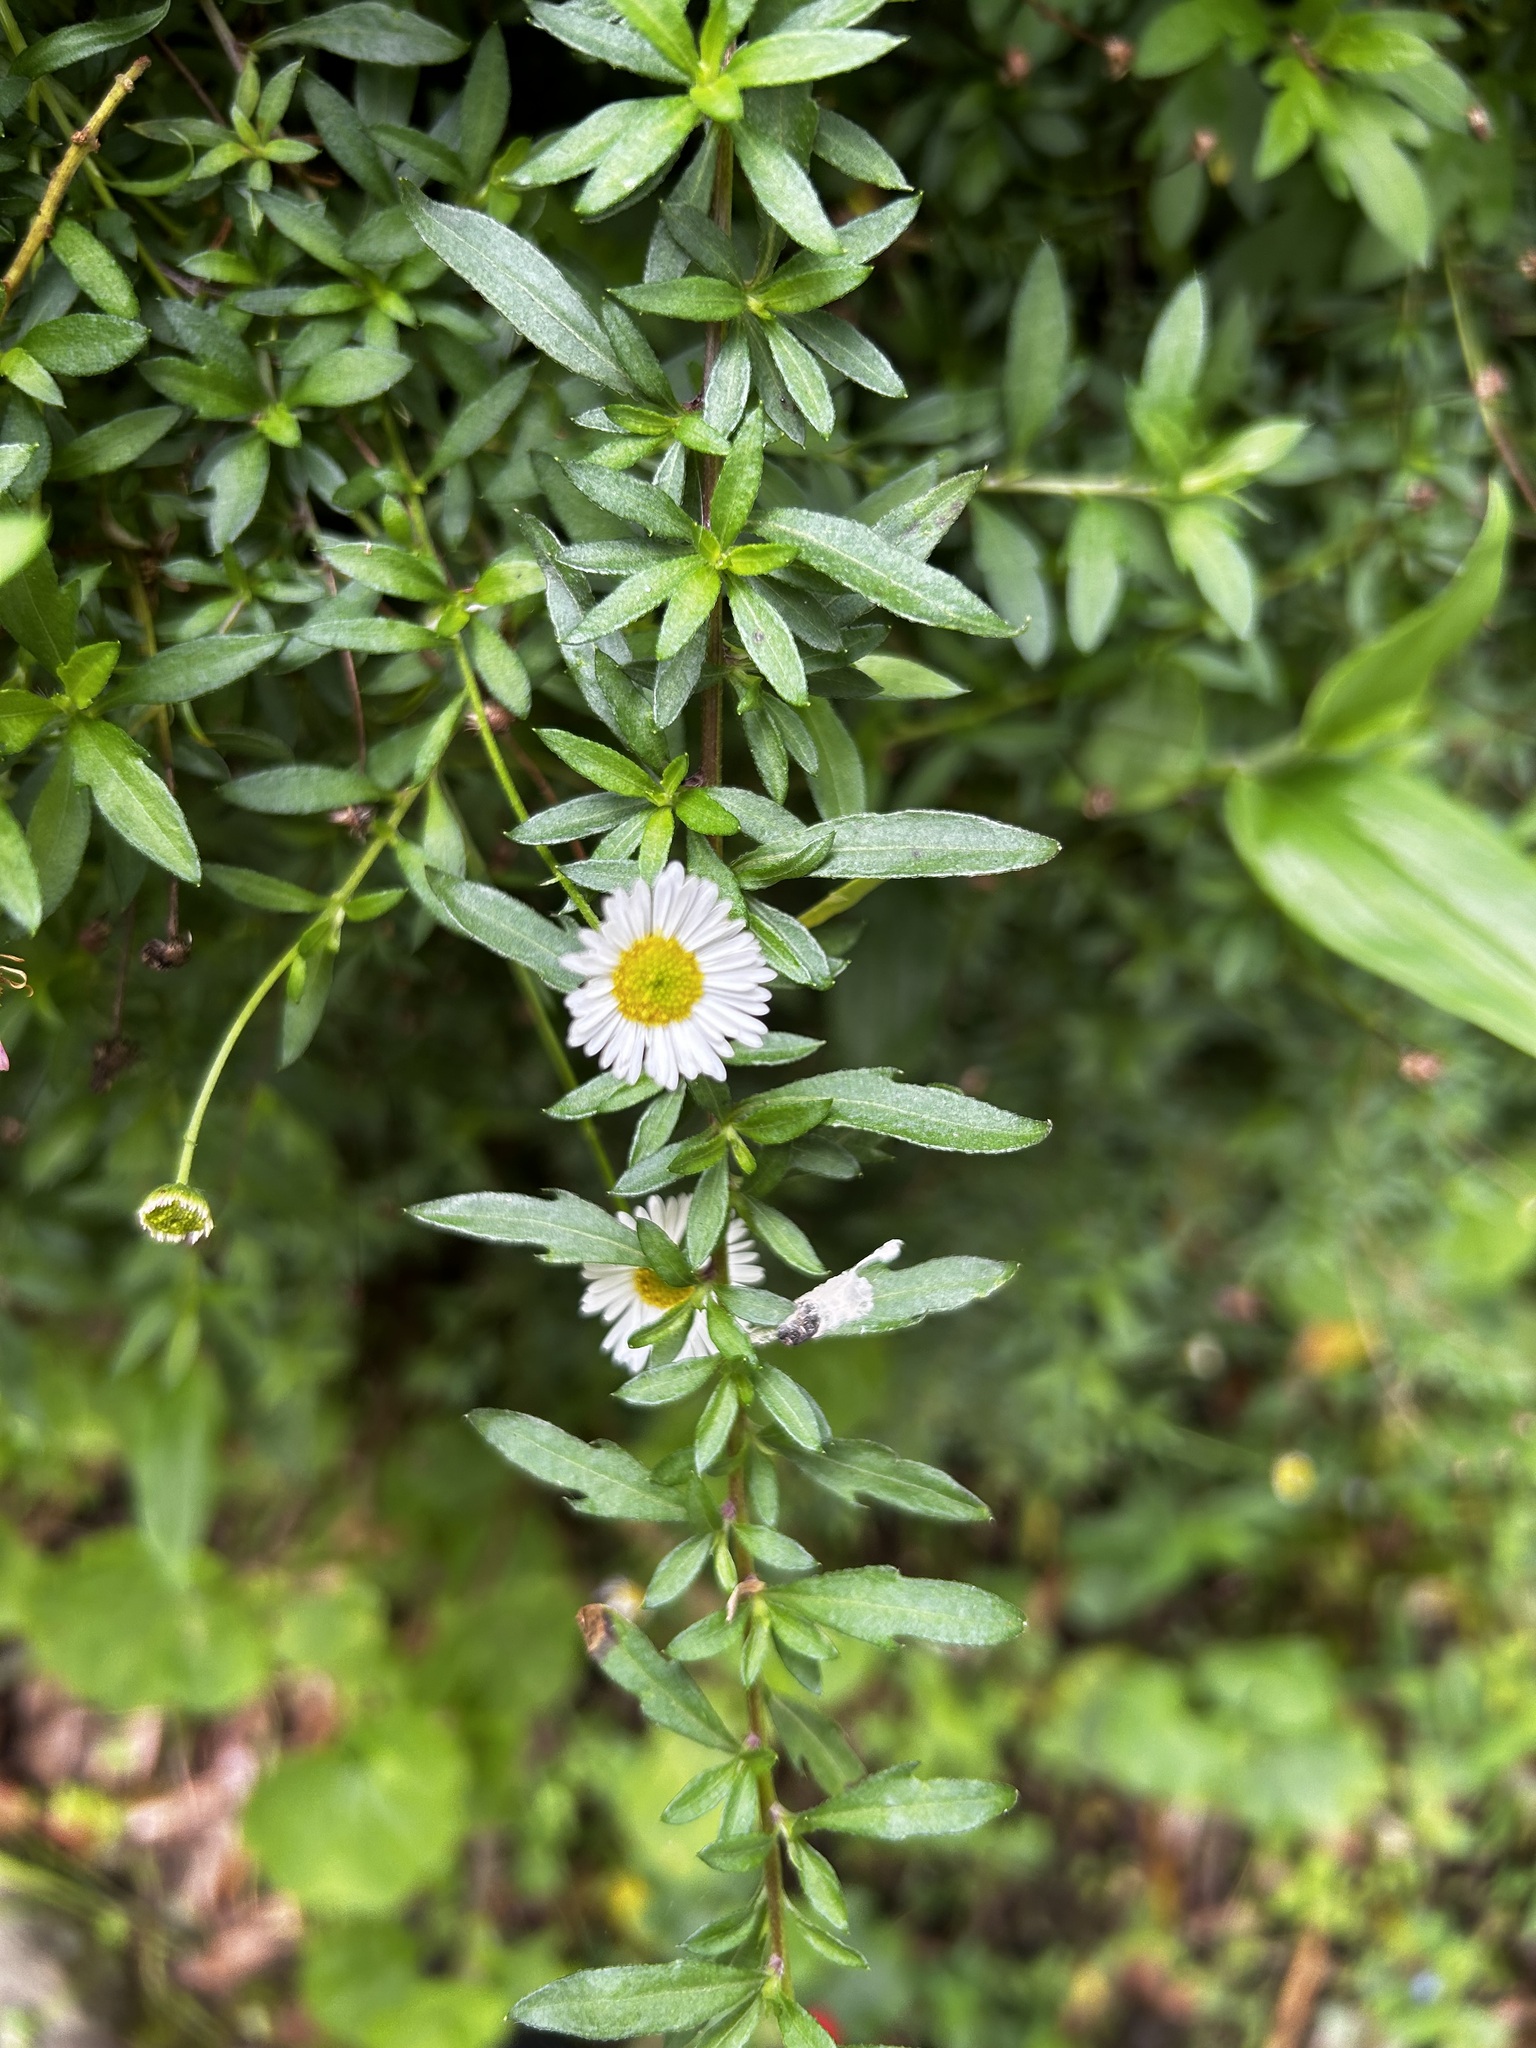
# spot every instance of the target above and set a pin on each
(655, 1292)
(657, 981)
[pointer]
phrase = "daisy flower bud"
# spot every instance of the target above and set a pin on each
(670, 980)
(629, 1297)
(845, 1298)
(175, 1214)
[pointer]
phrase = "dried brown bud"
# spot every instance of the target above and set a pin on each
(110, 1059)
(12, 1131)
(740, 1591)
(1203, 144)
(1016, 66)
(1421, 1068)
(1489, 383)
(1479, 124)
(165, 954)
(1119, 55)
(92, 937)
(358, 819)
(1420, 494)
(596, 1629)
(1098, 802)
(497, 717)
(1239, 1304)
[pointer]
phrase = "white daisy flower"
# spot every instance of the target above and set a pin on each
(628, 1297)
(669, 980)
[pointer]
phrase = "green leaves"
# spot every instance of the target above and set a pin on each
(858, 1471)
(885, 845)
(894, 1806)
(176, 675)
(1386, 869)
(668, 1695)
(638, 1998)
(597, 1479)
(132, 798)
(373, 33)
(567, 1230)
(877, 1604)
(522, 284)
(1379, 689)
(505, 925)
(84, 39)
(862, 559)
(1039, 339)
(942, 1119)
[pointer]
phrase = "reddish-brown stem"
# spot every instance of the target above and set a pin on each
(710, 750)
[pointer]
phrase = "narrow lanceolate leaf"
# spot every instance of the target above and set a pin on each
(814, 1741)
(588, 26)
(505, 925)
(177, 674)
(20, 893)
(888, 844)
(630, 498)
(598, 1479)
(1385, 868)
(132, 798)
(840, 343)
(22, 535)
(652, 137)
(858, 1471)
(934, 1287)
(1380, 688)
(795, 57)
(567, 1230)
(643, 592)
(1039, 337)
(638, 1998)
(767, 641)
(668, 1694)
(893, 1806)
(942, 1119)
(866, 561)
(393, 571)
(783, 190)
(876, 1604)
(522, 284)
(299, 791)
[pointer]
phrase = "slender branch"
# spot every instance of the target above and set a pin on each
(560, 1060)
(1304, 1979)
(338, 899)
(1074, 486)
(84, 141)
(767, 1791)
(710, 746)
(836, 901)
(1488, 384)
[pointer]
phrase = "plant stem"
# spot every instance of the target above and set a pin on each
(560, 1060)
(767, 1791)
(710, 749)
(339, 896)
(81, 145)
(836, 901)
(1487, 398)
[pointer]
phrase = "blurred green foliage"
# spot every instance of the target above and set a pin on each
(1256, 1416)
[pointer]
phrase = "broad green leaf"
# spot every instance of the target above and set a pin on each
(131, 796)
(685, 298)
(20, 892)
(522, 284)
(194, 667)
(849, 352)
(34, 610)
(863, 560)
(86, 39)
(308, 992)
(884, 845)
(651, 138)
(638, 1998)
(797, 56)
(597, 1479)
(57, 831)
(893, 1806)
(664, 24)
(1039, 340)
(577, 819)
(671, 1579)
(506, 925)
(1178, 37)
(568, 1231)
(1379, 689)
(1246, 454)
(1382, 866)
(85, 344)
(97, 272)
(788, 947)
(1203, 543)
(1175, 357)
(347, 377)
(646, 591)
(809, 280)
(262, 892)
(630, 498)
(858, 1471)
(360, 1825)
(877, 1604)
(113, 445)
(349, 141)
(373, 33)
(942, 1119)
(382, 566)
(1009, 561)
(22, 535)
(300, 790)
(668, 1695)
(782, 188)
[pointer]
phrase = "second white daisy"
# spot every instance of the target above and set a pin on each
(629, 1297)
(670, 981)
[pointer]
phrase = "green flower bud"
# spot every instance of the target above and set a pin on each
(175, 1214)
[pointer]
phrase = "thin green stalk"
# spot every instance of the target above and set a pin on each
(712, 707)
(1074, 486)
(836, 901)
(560, 1060)
(338, 898)
(757, 1722)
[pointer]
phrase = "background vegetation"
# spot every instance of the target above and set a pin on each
(299, 1740)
